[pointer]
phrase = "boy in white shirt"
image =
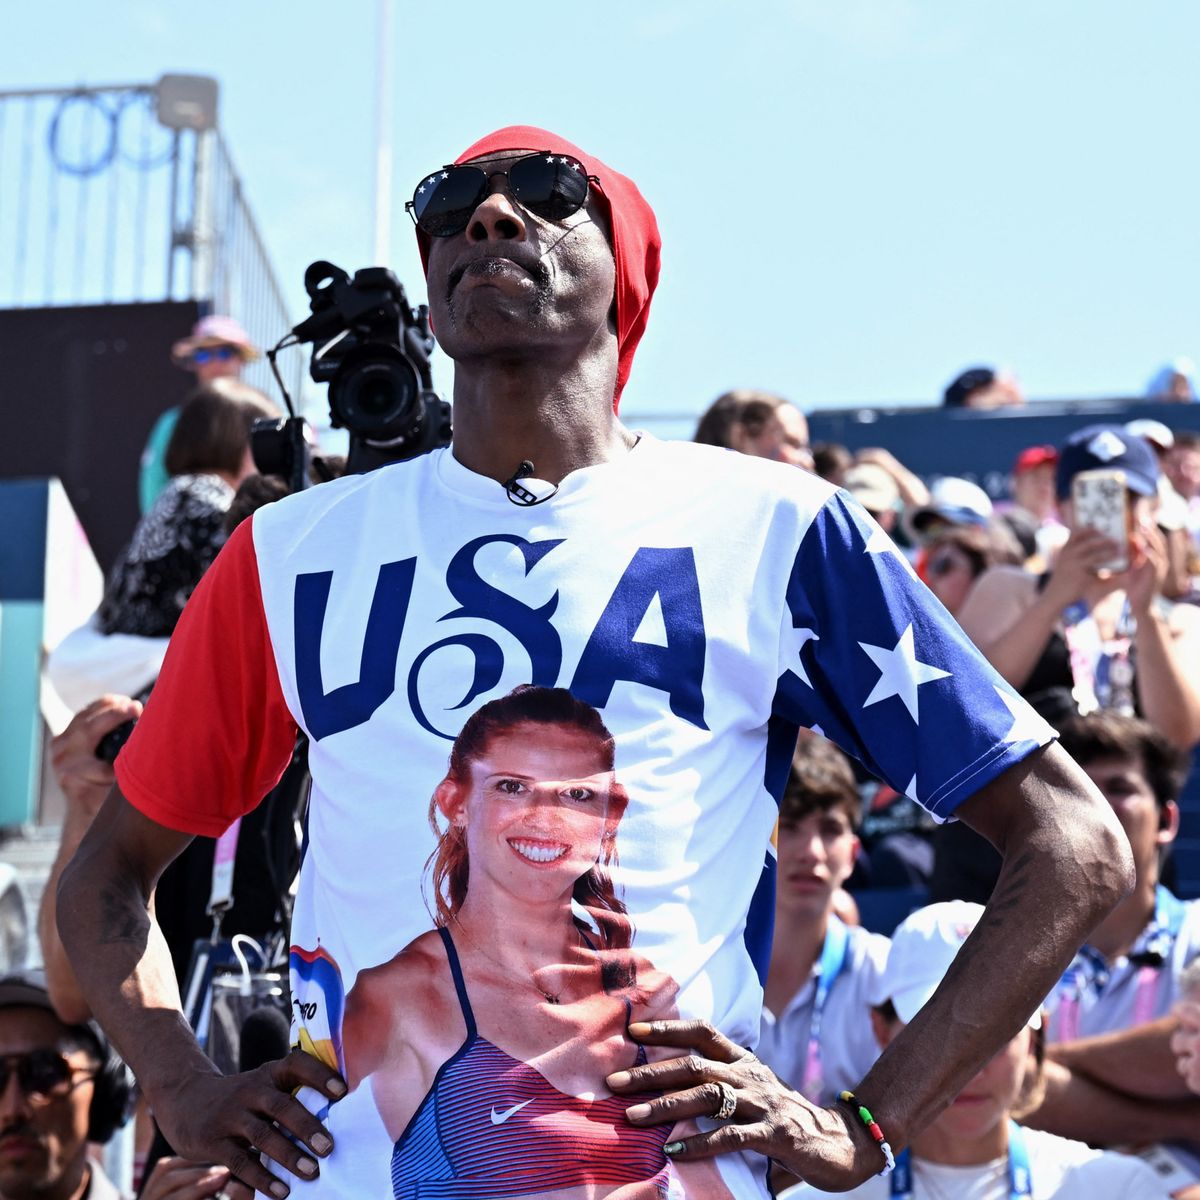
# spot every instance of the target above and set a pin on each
(816, 1035)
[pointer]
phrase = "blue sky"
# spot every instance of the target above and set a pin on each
(857, 198)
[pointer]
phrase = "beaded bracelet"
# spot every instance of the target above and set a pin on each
(864, 1115)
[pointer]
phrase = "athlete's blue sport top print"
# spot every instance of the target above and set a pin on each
(492, 1126)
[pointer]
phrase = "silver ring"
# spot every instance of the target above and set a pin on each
(728, 1103)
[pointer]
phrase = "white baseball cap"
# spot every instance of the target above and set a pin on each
(958, 501)
(923, 947)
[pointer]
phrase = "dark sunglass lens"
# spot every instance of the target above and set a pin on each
(43, 1071)
(445, 200)
(551, 185)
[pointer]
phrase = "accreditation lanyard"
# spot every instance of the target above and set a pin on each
(831, 962)
(1020, 1182)
(220, 898)
(1159, 940)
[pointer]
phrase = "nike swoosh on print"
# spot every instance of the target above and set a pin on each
(498, 1118)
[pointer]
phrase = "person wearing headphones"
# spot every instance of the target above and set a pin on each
(62, 1088)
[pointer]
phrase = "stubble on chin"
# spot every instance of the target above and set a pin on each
(539, 302)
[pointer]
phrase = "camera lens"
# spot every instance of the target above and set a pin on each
(374, 393)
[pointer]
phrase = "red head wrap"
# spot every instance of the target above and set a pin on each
(635, 239)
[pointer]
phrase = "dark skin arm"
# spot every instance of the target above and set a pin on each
(1077, 1106)
(1137, 1061)
(1066, 864)
(85, 781)
(124, 968)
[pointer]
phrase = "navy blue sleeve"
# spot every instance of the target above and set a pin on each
(872, 660)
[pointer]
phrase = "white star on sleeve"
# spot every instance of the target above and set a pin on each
(900, 672)
(911, 790)
(1027, 726)
(800, 638)
(880, 543)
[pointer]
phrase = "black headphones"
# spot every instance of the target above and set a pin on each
(112, 1094)
(113, 1083)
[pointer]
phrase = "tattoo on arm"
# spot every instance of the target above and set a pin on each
(1012, 885)
(123, 919)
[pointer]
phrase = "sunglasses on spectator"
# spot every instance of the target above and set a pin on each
(214, 354)
(551, 186)
(943, 564)
(41, 1075)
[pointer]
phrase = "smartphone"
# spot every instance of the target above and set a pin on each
(1101, 501)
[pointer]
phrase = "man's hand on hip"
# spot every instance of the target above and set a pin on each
(717, 1078)
(231, 1119)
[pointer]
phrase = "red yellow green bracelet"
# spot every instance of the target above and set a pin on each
(864, 1115)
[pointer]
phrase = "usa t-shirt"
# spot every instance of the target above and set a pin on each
(558, 730)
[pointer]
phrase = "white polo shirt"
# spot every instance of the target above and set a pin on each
(1097, 997)
(848, 1045)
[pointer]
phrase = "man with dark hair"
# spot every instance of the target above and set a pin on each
(708, 605)
(757, 423)
(983, 387)
(49, 1106)
(1111, 1077)
(1129, 972)
(816, 1035)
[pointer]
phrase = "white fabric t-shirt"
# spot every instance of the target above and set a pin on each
(703, 606)
(1059, 1168)
(847, 1042)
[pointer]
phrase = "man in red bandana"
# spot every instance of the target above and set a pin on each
(552, 678)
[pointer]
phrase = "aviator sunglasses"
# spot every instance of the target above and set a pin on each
(41, 1074)
(551, 186)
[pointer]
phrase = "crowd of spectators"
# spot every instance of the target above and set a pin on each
(1110, 655)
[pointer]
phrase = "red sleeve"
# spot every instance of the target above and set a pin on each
(216, 734)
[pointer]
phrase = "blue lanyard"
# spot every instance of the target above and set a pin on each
(831, 962)
(1020, 1181)
(833, 959)
(1091, 968)
(1168, 920)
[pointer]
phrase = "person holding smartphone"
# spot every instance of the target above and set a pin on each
(1087, 634)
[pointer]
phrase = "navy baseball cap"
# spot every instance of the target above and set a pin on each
(958, 390)
(1096, 447)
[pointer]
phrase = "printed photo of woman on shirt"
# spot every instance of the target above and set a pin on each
(487, 1040)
